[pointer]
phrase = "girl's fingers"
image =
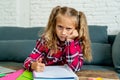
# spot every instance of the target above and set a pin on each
(39, 67)
(73, 34)
(39, 60)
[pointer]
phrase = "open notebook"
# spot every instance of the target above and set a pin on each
(55, 73)
(4, 70)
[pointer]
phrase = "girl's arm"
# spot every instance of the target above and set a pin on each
(36, 54)
(74, 56)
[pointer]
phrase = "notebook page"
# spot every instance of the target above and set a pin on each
(6, 70)
(54, 72)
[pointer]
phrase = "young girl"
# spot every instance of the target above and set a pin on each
(65, 41)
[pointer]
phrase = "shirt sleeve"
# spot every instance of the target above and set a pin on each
(74, 55)
(37, 52)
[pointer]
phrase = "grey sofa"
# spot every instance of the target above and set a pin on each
(16, 43)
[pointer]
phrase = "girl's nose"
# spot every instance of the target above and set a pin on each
(64, 32)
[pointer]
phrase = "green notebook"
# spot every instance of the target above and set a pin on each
(26, 75)
(2, 75)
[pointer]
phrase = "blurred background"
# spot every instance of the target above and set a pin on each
(33, 13)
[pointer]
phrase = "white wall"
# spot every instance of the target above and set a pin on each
(30, 13)
(8, 12)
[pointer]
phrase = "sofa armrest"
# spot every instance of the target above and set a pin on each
(116, 53)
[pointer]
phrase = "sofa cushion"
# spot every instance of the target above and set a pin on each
(101, 54)
(20, 33)
(98, 34)
(15, 50)
(116, 53)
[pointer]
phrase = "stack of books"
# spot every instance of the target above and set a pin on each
(55, 73)
(4, 71)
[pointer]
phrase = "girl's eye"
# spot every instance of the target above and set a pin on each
(60, 27)
(68, 29)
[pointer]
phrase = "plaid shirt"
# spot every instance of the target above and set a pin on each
(70, 53)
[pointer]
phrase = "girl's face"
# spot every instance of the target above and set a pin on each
(64, 26)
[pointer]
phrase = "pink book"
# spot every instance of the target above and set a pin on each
(13, 76)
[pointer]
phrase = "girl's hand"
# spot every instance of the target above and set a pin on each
(73, 35)
(38, 66)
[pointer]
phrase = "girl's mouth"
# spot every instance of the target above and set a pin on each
(62, 38)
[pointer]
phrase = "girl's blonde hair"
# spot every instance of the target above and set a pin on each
(81, 25)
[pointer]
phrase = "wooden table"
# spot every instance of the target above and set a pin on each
(105, 75)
